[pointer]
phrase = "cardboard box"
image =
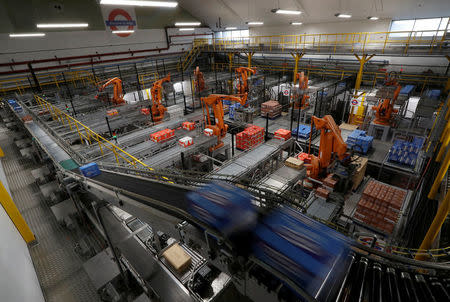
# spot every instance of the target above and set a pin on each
(208, 132)
(188, 126)
(112, 112)
(145, 111)
(186, 141)
(282, 134)
(162, 135)
(294, 163)
(360, 171)
(177, 257)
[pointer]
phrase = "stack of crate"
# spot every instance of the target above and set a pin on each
(186, 141)
(379, 206)
(272, 109)
(302, 131)
(404, 152)
(162, 135)
(232, 110)
(249, 138)
(359, 141)
(282, 134)
(112, 112)
(145, 111)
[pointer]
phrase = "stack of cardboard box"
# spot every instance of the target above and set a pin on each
(272, 109)
(282, 134)
(188, 126)
(250, 137)
(145, 111)
(380, 205)
(162, 135)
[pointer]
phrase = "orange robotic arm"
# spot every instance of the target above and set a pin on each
(199, 80)
(158, 108)
(242, 74)
(118, 93)
(302, 103)
(385, 109)
(331, 142)
(214, 102)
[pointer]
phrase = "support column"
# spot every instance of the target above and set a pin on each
(230, 60)
(249, 57)
(297, 56)
(363, 60)
(435, 227)
(447, 85)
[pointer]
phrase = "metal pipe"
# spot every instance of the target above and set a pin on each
(109, 128)
(33, 75)
(70, 94)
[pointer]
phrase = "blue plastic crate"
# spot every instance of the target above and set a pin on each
(90, 170)
(404, 152)
(359, 141)
(303, 131)
(232, 110)
(224, 207)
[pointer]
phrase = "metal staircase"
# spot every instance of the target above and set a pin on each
(189, 58)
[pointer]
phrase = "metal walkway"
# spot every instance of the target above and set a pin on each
(57, 265)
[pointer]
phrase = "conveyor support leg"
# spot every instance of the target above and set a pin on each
(363, 60)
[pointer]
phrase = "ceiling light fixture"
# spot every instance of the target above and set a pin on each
(286, 11)
(139, 3)
(123, 31)
(346, 16)
(62, 25)
(26, 35)
(373, 18)
(186, 28)
(230, 28)
(296, 23)
(187, 23)
(255, 23)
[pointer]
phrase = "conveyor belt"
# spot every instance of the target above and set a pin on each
(388, 278)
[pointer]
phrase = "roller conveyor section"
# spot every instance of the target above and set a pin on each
(251, 159)
(282, 178)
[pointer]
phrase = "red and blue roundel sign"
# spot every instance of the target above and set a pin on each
(116, 18)
(354, 102)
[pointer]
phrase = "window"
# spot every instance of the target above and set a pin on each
(424, 27)
(233, 34)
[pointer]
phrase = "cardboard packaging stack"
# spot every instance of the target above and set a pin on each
(272, 109)
(145, 111)
(380, 205)
(282, 134)
(112, 112)
(208, 132)
(188, 126)
(250, 137)
(294, 163)
(162, 135)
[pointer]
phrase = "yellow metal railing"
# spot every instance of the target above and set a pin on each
(88, 136)
(354, 42)
(423, 79)
(189, 57)
(55, 79)
(148, 78)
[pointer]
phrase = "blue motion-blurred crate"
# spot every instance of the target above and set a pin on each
(433, 94)
(226, 102)
(359, 141)
(303, 131)
(16, 107)
(309, 253)
(223, 207)
(90, 170)
(404, 152)
(232, 110)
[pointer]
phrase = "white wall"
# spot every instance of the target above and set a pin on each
(18, 280)
(78, 43)
(323, 28)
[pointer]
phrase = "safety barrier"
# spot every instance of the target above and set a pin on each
(424, 79)
(399, 42)
(88, 136)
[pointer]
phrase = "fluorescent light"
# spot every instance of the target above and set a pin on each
(373, 18)
(123, 31)
(230, 28)
(255, 23)
(187, 23)
(186, 28)
(26, 35)
(343, 16)
(286, 11)
(296, 23)
(62, 25)
(139, 3)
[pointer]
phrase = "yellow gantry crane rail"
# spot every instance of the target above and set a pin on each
(88, 136)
